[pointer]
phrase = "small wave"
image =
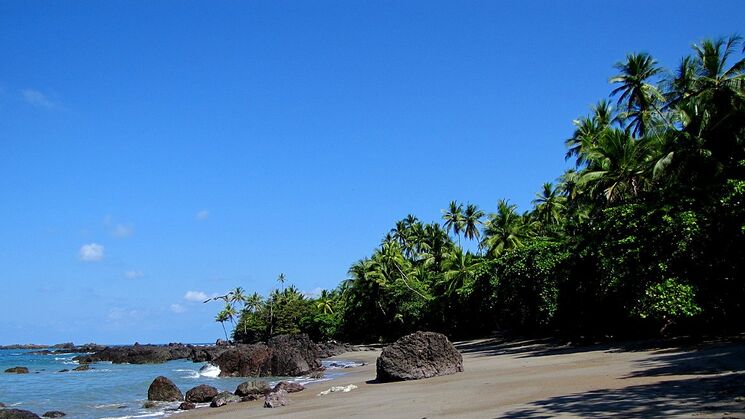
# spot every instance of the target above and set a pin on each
(63, 358)
(331, 365)
(109, 406)
(70, 362)
(209, 370)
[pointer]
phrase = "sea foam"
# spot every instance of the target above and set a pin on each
(209, 370)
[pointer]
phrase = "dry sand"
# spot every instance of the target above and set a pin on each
(534, 378)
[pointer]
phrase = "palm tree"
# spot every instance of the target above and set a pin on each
(549, 204)
(453, 217)
(505, 229)
(325, 303)
(587, 132)
(637, 97)
(281, 279)
(460, 269)
(618, 166)
(472, 221)
(254, 302)
(222, 317)
(238, 296)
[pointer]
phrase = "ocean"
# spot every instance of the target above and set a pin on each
(109, 390)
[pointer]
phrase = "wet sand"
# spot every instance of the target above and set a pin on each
(536, 378)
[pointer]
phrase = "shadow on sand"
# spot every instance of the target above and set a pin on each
(688, 397)
(717, 389)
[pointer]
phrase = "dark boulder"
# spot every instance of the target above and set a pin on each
(293, 355)
(224, 398)
(17, 414)
(83, 367)
(64, 370)
(221, 342)
(418, 355)
(332, 348)
(249, 388)
(187, 406)
(275, 399)
(17, 370)
(201, 394)
(54, 414)
(205, 353)
(149, 404)
(288, 386)
(162, 389)
(245, 361)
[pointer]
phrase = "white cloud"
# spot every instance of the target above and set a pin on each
(37, 98)
(133, 274)
(122, 231)
(178, 308)
(195, 296)
(202, 215)
(92, 252)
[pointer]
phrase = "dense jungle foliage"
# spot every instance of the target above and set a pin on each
(645, 235)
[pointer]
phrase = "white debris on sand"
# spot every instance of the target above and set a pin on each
(335, 389)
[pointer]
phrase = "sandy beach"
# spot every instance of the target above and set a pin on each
(536, 378)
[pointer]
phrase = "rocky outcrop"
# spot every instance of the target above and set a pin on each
(17, 370)
(293, 355)
(418, 355)
(288, 386)
(83, 367)
(252, 388)
(201, 394)
(136, 354)
(54, 414)
(285, 355)
(245, 361)
(224, 398)
(162, 389)
(187, 406)
(275, 399)
(333, 348)
(17, 414)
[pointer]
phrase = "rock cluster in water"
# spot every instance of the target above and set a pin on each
(285, 355)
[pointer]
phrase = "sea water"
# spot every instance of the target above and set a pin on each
(109, 390)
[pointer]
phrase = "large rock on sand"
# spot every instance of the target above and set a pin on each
(293, 355)
(17, 414)
(252, 388)
(163, 390)
(418, 355)
(224, 398)
(285, 355)
(201, 394)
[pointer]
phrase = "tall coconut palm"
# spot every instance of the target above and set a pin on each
(324, 303)
(460, 268)
(222, 317)
(238, 296)
(505, 229)
(549, 204)
(587, 132)
(281, 280)
(453, 217)
(472, 221)
(619, 166)
(639, 99)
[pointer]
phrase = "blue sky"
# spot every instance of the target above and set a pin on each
(153, 149)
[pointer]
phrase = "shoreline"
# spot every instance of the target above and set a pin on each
(529, 378)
